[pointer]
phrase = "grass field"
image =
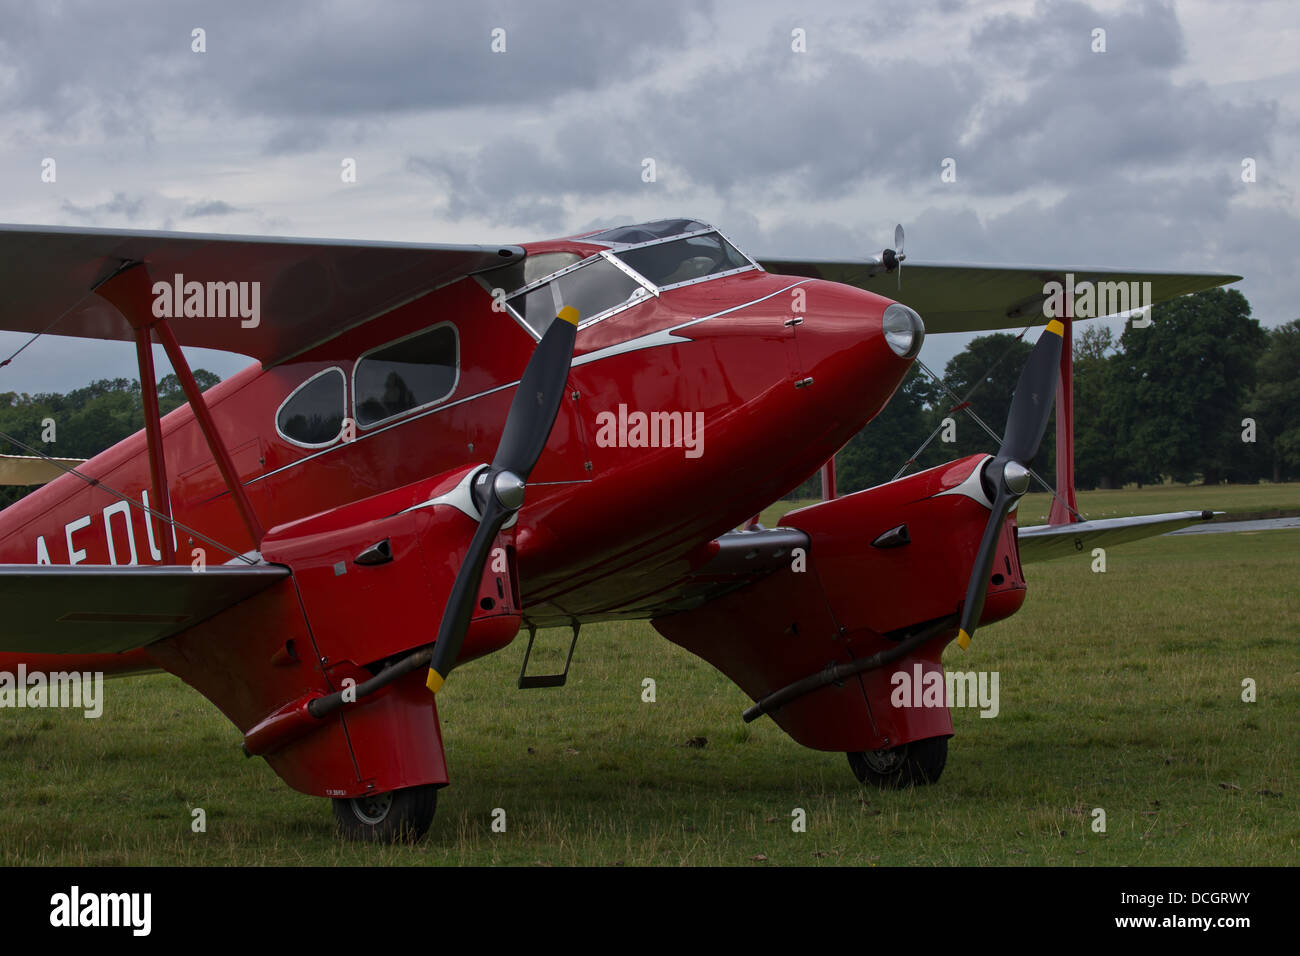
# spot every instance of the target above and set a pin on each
(1119, 691)
(1237, 501)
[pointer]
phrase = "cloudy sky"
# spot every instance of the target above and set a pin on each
(1131, 157)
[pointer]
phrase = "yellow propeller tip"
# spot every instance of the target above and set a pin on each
(1056, 327)
(435, 681)
(568, 314)
(963, 639)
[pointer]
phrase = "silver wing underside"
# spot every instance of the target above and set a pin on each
(973, 297)
(1044, 542)
(94, 609)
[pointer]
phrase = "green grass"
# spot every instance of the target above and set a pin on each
(1118, 690)
(1237, 501)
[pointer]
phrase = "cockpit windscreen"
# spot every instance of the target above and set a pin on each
(684, 260)
(592, 289)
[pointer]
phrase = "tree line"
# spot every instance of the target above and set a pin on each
(83, 422)
(1203, 393)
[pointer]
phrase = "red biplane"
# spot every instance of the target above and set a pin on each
(440, 445)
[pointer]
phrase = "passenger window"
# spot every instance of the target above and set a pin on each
(313, 414)
(411, 373)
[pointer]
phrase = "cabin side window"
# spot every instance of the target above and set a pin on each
(415, 372)
(312, 415)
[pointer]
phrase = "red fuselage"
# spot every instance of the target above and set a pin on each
(606, 527)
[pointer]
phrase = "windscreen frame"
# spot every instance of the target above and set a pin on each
(583, 321)
(682, 237)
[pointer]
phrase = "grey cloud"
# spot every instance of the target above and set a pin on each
(1102, 117)
(79, 68)
(761, 130)
(1059, 36)
(830, 122)
(120, 206)
(209, 207)
(513, 181)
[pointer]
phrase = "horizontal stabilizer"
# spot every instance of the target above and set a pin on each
(1043, 542)
(100, 609)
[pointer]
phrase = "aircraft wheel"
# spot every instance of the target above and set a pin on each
(398, 816)
(909, 765)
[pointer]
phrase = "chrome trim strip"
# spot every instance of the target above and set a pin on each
(710, 277)
(379, 431)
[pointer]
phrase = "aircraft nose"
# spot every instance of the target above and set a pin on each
(904, 330)
(856, 347)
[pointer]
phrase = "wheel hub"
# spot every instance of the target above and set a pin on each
(884, 761)
(372, 809)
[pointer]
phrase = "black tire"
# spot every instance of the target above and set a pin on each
(909, 765)
(399, 816)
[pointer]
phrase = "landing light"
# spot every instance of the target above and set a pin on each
(904, 330)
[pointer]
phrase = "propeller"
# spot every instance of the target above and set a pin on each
(499, 489)
(893, 258)
(1007, 471)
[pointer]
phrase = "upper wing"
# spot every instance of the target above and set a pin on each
(309, 289)
(95, 609)
(969, 297)
(1043, 542)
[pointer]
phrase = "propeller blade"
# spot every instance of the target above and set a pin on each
(978, 585)
(460, 602)
(537, 402)
(1031, 407)
(898, 249)
(501, 487)
(1031, 404)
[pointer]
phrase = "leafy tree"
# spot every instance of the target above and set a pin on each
(1275, 404)
(984, 374)
(877, 452)
(1098, 460)
(87, 420)
(1182, 384)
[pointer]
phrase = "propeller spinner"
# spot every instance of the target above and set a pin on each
(892, 259)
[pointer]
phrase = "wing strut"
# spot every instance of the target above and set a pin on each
(828, 479)
(1065, 509)
(153, 436)
(129, 290)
